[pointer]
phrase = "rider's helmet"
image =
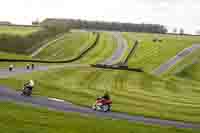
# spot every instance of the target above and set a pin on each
(11, 66)
(31, 83)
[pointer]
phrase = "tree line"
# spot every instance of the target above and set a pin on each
(53, 27)
(110, 26)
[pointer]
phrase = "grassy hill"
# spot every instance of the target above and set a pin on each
(24, 40)
(134, 93)
(18, 30)
(184, 65)
(150, 55)
(5, 55)
(70, 46)
(104, 49)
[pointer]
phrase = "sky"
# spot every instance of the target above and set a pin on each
(171, 13)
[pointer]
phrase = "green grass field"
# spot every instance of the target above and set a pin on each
(5, 65)
(191, 72)
(72, 45)
(32, 120)
(150, 55)
(5, 55)
(104, 49)
(183, 64)
(69, 46)
(134, 93)
(168, 97)
(18, 30)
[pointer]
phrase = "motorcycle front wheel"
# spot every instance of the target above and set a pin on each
(105, 108)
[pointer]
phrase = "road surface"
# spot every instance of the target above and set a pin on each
(120, 50)
(171, 62)
(4, 73)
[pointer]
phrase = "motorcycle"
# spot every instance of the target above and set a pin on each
(102, 104)
(11, 68)
(26, 91)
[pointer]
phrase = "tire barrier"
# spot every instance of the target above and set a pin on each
(117, 67)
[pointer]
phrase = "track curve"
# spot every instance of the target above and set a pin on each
(121, 48)
(172, 61)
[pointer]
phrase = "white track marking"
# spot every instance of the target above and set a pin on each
(55, 99)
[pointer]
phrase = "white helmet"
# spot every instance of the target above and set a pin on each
(31, 82)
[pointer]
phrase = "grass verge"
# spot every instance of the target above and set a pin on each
(41, 120)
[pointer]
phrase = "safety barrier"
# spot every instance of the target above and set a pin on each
(115, 67)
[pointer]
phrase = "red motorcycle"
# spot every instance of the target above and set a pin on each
(102, 104)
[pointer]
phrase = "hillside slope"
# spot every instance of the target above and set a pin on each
(69, 46)
(150, 55)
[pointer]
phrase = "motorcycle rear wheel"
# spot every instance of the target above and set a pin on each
(105, 108)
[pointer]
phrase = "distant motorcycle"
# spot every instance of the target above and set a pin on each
(26, 91)
(32, 66)
(27, 66)
(102, 104)
(11, 68)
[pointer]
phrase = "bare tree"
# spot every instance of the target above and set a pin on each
(181, 32)
(175, 30)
